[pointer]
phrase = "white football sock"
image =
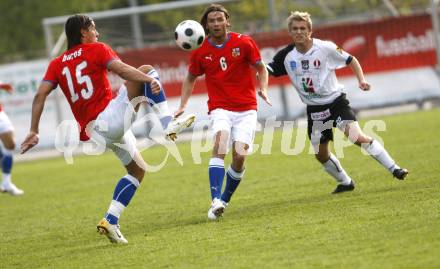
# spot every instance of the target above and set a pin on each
(6, 180)
(116, 208)
(379, 153)
(334, 168)
(163, 113)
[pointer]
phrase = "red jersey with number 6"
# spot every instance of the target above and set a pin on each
(228, 72)
(81, 73)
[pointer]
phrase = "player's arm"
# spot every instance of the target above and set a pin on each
(355, 66)
(130, 73)
(37, 109)
(276, 67)
(187, 88)
(263, 79)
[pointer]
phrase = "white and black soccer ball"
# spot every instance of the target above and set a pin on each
(189, 35)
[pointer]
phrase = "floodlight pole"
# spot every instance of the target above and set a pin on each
(272, 15)
(136, 26)
(391, 8)
(48, 37)
(273, 27)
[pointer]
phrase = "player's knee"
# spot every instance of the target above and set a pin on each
(363, 139)
(239, 156)
(10, 145)
(360, 139)
(220, 150)
(145, 68)
(13, 145)
(240, 150)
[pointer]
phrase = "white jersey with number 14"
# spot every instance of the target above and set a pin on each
(313, 73)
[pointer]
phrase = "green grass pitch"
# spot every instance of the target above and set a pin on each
(282, 215)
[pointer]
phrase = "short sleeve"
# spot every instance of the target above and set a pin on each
(51, 74)
(253, 53)
(337, 58)
(107, 55)
(276, 67)
(195, 67)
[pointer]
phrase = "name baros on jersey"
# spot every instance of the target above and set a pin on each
(80, 74)
(312, 73)
(72, 55)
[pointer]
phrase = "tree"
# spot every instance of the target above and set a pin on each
(20, 23)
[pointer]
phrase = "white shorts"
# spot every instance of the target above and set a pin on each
(113, 126)
(240, 125)
(5, 123)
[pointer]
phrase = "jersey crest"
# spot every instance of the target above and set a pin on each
(313, 73)
(305, 64)
(228, 72)
(235, 52)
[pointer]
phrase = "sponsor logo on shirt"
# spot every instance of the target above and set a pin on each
(292, 65)
(322, 115)
(317, 63)
(307, 84)
(312, 95)
(208, 57)
(305, 64)
(235, 52)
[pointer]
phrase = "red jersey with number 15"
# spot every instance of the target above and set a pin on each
(81, 73)
(228, 72)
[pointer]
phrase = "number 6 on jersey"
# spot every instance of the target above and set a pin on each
(223, 63)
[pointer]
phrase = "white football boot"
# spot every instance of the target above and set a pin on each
(216, 210)
(111, 231)
(177, 125)
(12, 190)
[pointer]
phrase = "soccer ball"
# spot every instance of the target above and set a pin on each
(189, 35)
